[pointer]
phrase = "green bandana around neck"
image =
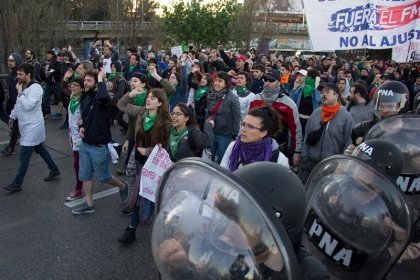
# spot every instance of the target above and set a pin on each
(112, 76)
(201, 91)
(309, 87)
(74, 104)
(139, 99)
(131, 68)
(174, 139)
(148, 121)
(241, 90)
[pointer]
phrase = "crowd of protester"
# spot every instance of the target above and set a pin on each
(231, 108)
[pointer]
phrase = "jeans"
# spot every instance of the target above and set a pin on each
(220, 144)
(25, 156)
(46, 98)
(14, 135)
(142, 212)
(3, 115)
(94, 159)
(79, 184)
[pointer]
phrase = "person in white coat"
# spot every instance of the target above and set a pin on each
(255, 142)
(28, 111)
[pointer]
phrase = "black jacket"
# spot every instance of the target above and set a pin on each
(95, 115)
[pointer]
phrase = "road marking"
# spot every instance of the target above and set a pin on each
(98, 195)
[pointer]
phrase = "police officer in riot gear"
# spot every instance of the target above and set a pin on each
(207, 219)
(357, 221)
(390, 99)
(403, 131)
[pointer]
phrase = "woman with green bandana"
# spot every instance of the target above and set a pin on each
(243, 83)
(138, 82)
(76, 89)
(186, 139)
(201, 83)
(117, 86)
(152, 128)
(306, 96)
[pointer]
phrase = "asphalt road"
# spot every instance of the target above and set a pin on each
(41, 239)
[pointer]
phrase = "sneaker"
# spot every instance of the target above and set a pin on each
(124, 194)
(64, 126)
(127, 212)
(76, 194)
(52, 175)
(7, 151)
(13, 187)
(83, 209)
(56, 116)
(128, 236)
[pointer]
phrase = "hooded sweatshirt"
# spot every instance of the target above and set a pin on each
(12, 81)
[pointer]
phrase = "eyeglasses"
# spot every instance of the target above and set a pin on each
(249, 126)
(178, 114)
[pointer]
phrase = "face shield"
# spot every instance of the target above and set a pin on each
(210, 226)
(357, 223)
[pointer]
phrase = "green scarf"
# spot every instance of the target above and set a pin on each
(131, 68)
(309, 87)
(148, 121)
(241, 90)
(112, 76)
(74, 104)
(201, 91)
(139, 99)
(174, 139)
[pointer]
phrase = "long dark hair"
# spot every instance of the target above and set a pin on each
(188, 111)
(159, 133)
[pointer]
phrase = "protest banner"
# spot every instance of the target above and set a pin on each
(177, 50)
(157, 163)
(373, 24)
(406, 53)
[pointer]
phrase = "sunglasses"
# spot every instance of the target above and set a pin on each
(268, 80)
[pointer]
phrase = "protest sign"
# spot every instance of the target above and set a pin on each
(177, 50)
(373, 24)
(406, 53)
(157, 163)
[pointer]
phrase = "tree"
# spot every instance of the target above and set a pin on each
(199, 24)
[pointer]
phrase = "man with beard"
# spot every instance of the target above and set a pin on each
(31, 124)
(328, 131)
(360, 105)
(30, 58)
(95, 132)
(290, 139)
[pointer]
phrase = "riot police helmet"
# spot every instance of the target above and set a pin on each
(390, 98)
(282, 190)
(382, 155)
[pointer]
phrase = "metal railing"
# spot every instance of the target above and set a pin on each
(109, 25)
(271, 27)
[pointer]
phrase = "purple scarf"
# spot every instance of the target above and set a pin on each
(245, 153)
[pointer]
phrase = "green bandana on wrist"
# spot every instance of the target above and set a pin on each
(148, 121)
(174, 139)
(139, 99)
(201, 91)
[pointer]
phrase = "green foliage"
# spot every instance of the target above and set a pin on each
(199, 24)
